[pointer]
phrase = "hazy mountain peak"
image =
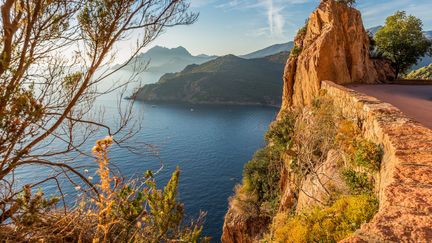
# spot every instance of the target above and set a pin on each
(181, 50)
(160, 50)
(230, 56)
(374, 30)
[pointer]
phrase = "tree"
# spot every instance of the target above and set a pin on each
(53, 56)
(402, 41)
(349, 3)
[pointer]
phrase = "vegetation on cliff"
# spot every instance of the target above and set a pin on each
(337, 215)
(125, 211)
(225, 80)
(424, 73)
(329, 224)
(300, 144)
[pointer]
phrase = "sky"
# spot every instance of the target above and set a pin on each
(243, 26)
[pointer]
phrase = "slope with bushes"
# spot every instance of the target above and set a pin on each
(225, 80)
(314, 181)
(424, 73)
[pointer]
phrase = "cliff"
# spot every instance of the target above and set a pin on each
(404, 187)
(338, 165)
(333, 45)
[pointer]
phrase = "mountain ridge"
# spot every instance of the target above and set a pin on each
(225, 80)
(270, 50)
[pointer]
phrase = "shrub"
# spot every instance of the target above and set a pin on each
(281, 131)
(295, 51)
(330, 224)
(314, 135)
(367, 154)
(358, 182)
(261, 175)
(122, 212)
(360, 152)
(402, 41)
(33, 207)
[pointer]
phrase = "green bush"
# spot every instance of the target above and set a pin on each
(261, 175)
(281, 131)
(358, 182)
(330, 224)
(367, 154)
(295, 51)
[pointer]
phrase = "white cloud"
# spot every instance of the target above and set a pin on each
(276, 20)
(274, 11)
(375, 13)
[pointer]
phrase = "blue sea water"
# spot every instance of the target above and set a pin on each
(210, 144)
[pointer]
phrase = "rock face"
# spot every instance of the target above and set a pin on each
(333, 46)
(239, 228)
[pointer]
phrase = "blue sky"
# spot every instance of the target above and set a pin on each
(242, 26)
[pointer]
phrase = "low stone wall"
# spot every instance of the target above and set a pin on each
(405, 184)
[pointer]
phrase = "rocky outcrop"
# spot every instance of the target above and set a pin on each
(405, 186)
(240, 227)
(333, 46)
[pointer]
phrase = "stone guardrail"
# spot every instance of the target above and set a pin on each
(405, 179)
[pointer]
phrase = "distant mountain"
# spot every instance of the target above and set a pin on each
(428, 34)
(425, 61)
(224, 80)
(374, 30)
(164, 60)
(271, 50)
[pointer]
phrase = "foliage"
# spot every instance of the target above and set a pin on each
(298, 45)
(424, 73)
(281, 131)
(123, 212)
(360, 152)
(32, 207)
(367, 154)
(306, 138)
(131, 213)
(330, 224)
(50, 51)
(358, 182)
(261, 175)
(295, 51)
(314, 134)
(363, 158)
(402, 41)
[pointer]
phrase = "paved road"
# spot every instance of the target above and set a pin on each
(414, 100)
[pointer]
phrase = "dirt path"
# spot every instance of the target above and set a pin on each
(414, 100)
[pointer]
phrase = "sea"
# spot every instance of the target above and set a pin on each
(209, 143)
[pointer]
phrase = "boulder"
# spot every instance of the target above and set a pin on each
(334, 46)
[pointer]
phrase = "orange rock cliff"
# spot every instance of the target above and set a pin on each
(333, 45)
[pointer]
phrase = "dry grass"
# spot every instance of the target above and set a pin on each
(131, 211)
